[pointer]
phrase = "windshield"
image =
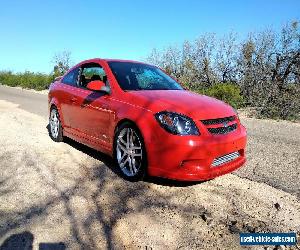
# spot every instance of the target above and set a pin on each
(138, 76)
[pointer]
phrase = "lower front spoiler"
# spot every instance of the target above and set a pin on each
(193, 173)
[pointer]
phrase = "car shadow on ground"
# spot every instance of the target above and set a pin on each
(109, 162)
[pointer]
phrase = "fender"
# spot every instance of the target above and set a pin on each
(141, 117)
(55, 102)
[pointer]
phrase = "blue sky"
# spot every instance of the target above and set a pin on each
(33, 31)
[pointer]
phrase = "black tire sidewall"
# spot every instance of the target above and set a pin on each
(142, 171)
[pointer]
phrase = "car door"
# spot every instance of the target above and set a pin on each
(66, 98)
(92, 115)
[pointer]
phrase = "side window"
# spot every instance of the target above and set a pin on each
(91, 73)
(72, 77)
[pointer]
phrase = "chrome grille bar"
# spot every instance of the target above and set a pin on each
(225, 158)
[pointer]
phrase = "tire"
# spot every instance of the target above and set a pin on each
(55, 128)
(129, 152)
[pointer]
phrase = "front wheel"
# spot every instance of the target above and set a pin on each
(129, 152)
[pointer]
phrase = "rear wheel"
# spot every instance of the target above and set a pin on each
(129, 152)
(55, 128)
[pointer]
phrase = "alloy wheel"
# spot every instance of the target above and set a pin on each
(129, 151)
(54, 123)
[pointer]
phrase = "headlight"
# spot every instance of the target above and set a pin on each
(177, 124)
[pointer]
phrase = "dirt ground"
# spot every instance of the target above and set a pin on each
(69, 195)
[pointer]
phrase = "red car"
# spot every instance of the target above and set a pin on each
(146, 121)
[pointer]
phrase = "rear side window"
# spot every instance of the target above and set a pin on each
(96, 72)
(91, 72)
(72, 77)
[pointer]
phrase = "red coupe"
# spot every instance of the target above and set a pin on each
(146, 121)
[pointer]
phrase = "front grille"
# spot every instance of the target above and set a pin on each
(218, 120)
(223, 130)
(225, 158)
(224, 125)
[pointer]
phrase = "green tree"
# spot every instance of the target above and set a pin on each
(62, 62)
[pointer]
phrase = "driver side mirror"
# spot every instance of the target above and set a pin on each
(98, 85)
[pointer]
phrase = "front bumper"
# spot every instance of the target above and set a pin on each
(190, 158)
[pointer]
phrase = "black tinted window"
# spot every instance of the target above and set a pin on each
(138, 76)
(72, 77)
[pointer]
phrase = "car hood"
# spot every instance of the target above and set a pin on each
(181, 101)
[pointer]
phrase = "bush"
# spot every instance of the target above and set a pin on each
(283, 104)
(28, 80)
(227, 92)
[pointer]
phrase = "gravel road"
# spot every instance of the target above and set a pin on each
(32, 101)
(273, 154)
(69, 195)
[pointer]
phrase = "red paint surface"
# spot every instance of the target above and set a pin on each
(91, 118)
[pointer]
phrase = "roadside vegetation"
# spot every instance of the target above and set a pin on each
(36, 80)
(28, 80)
(261, 72)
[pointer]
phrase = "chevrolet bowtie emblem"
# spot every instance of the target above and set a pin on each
(225, 124)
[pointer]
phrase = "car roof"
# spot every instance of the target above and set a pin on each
(110, 60)
(120, 60)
